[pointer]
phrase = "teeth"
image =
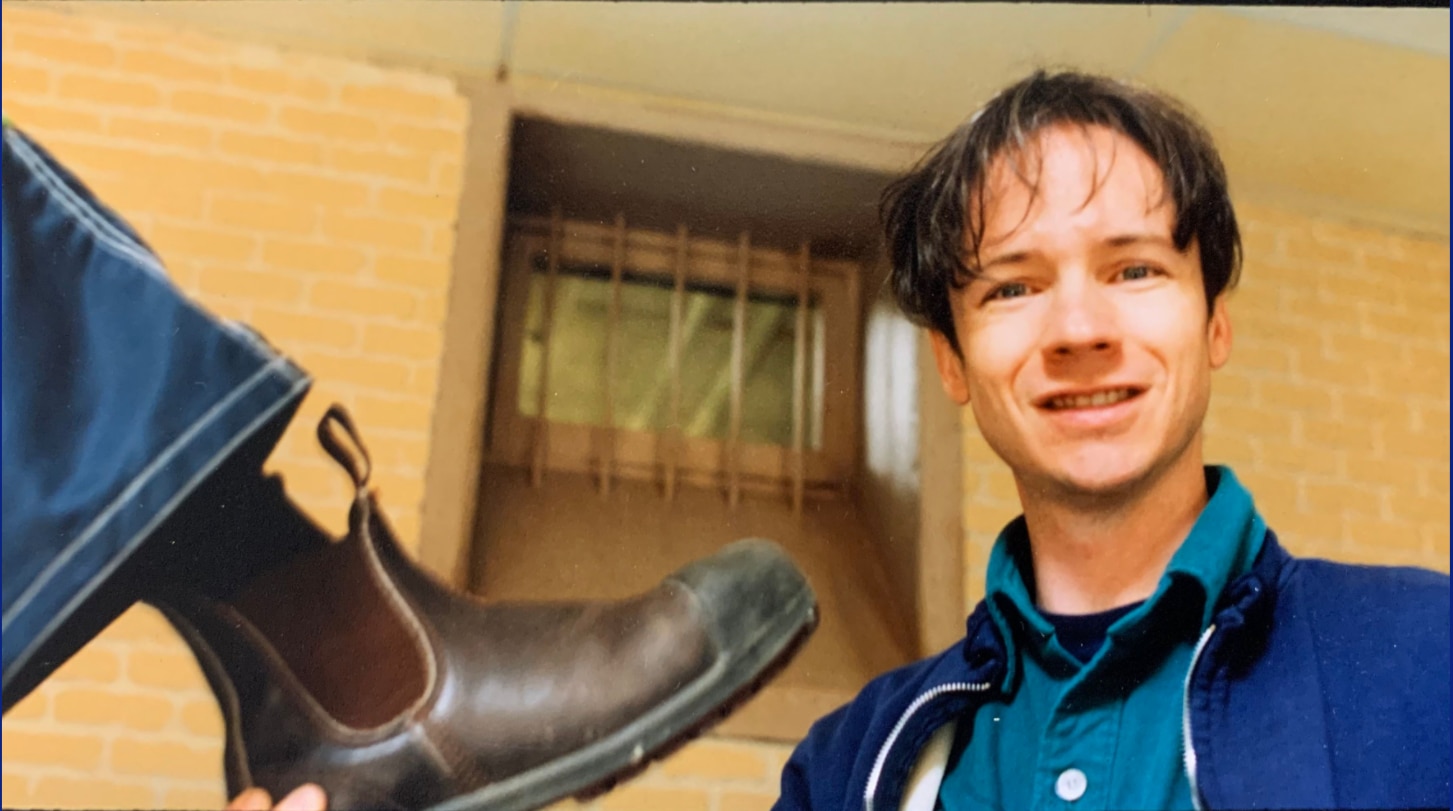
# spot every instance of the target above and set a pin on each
(1099, 398)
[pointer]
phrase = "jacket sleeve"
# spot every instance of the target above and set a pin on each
(814, 771)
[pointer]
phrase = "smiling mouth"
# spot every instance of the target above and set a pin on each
(1099, 399)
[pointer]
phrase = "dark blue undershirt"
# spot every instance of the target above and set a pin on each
(1082, 635)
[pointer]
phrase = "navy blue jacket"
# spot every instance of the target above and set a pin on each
(1318, 685)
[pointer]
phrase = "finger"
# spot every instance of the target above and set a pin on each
(307, 797)
(253, 799)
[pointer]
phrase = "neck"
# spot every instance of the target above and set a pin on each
(1092, 555)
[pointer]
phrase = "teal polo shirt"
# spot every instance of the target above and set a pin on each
(1103, 734)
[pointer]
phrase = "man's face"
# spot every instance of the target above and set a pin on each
(1087, 351)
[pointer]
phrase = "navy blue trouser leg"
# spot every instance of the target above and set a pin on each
(120, 398)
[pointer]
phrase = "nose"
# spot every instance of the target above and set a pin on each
(1081, 321)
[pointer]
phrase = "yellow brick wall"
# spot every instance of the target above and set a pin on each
(312, 198)
(1334, 407)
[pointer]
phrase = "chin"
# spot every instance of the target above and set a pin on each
(1099, 474)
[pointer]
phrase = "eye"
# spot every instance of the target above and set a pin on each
(1134, 273)
(1007, 291)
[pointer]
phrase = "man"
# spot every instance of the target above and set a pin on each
(1144, 642)
(135, 427)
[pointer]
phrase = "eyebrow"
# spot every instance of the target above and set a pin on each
(1117, 241)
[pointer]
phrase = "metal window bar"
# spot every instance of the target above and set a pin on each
(612, 354)
(739, 331)
(799, 379)
(542, 423)
(678, 303)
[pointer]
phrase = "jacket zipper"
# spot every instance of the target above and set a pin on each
(1187, 747)
(877, 773)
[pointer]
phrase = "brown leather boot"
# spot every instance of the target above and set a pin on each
(396, 692)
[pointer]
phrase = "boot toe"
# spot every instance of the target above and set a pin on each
(750, 595)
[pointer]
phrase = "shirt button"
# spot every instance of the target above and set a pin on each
(1071, 785)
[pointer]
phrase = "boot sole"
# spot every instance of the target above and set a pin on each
(624, 754)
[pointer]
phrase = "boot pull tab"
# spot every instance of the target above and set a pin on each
(353, 456)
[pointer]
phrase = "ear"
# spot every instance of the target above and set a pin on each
(1218, 333)
(950, 368)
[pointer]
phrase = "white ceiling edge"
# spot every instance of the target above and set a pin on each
(1418, 29)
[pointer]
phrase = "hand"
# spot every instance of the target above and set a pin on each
(306, 797)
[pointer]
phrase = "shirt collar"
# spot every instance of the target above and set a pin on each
(1221, 546)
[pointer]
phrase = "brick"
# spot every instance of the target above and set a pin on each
(142, 623)
(202, 717)
(23, 80)
(187, 242)
(329, 124)
(1343, 499)
(91, 664)
(1434, 480)
(377, 232)
(433, 309)
(1398, 540)
(220, 106)
(167, 759)
(1299, 397)
(713, 760)
(14, 790)
(448, 178)
(92, 707)
(1314, 367)
(160, 133)
(1373, 408)
(1371, 470)
(395, 413)
(1233, 418)
(1403, 443)
(1345, 434)
(362, 299)
(441, 242)
(39, 119)
(93, 792)
(154, 62)
(266, 217)
(746, 801)
(1308, 249)
(272, 148)
(188, 797)
(1420, 509)
(252, 285)
(31, 708)
(1381, 322)
(424, 273)
(169, 671)
(1323, 310)
(436, 207)
(1231, 385)
(177, 196)
(1327, 528)
(1262, 358)
(1435, 542)
(288, 327)
(417, 343)
(424, 138)
(300, 186)
(1285, 457)
(66, 750)
(1238, 451)
(425, 381)
(82, 51)
(313, 257)
(265, 81)
(1274, 493)
(384, 99)
(109, 92)
(409, 168)
(1361, 287)
(649, 798)
(378, 373)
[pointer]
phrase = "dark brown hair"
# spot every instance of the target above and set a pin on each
(934, 242)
